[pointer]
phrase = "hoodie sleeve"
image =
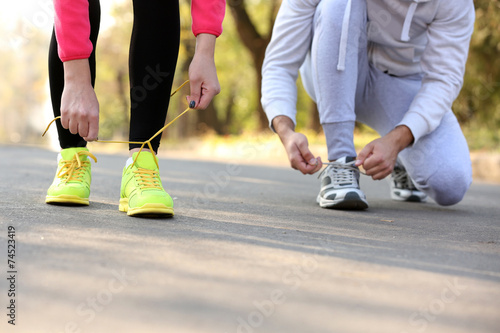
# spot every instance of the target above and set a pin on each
(290, 42)
(207, 16)
(443, 64)
(72, 27)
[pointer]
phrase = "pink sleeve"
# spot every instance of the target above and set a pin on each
(208, 16)
(72, 28)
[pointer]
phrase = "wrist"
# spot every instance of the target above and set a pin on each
(283, 126)
(205, 44)
(403, 136)
(77, 71)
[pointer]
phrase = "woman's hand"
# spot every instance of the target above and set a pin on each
(203, 79)
(79, 105)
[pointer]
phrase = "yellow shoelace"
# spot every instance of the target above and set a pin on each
(147, 142)
(74, 169)
(147, 179)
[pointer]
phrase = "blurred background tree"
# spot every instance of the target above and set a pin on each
(239, 56)
(478, 106)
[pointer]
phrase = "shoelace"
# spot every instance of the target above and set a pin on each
(74, 169)
(147, 142)
(401, 177)
(147, 179)
(343, 172)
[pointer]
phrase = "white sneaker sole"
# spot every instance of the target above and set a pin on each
(414, 196)
(350, 201)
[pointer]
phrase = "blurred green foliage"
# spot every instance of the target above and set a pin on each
(235, 109)
(478, 105)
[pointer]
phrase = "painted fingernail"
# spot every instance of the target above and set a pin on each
(313, 161)
(192, 104)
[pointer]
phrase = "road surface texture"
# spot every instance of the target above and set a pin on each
(247, 251)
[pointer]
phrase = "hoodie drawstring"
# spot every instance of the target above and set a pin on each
(343, 37)
(405, 33)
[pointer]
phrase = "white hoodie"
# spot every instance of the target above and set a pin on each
(405, 37)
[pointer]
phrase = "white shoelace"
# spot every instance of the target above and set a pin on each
(341, 173)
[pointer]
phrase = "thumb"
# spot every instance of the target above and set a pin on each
(363, 154)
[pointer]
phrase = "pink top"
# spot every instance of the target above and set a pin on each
(73, 27)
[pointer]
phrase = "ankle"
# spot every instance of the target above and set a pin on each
(135, 150)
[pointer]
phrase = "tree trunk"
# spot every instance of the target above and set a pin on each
(314, 123)
(255, 43)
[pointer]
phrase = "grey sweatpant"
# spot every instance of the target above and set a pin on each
(439, 163)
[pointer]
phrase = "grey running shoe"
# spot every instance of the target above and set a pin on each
(403, 188)
(340, 186)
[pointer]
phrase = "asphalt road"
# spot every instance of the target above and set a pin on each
(247, 251)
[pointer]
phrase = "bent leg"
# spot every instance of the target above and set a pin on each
(334, 90)
(439, 163)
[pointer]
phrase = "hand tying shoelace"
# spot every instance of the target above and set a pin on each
(347, 166)
(148, 142)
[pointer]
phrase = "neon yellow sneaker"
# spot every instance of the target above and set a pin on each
(142, 192)
(71, 184)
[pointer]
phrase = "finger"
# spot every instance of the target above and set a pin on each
(92, 134)
(363, 154)
(318, 166)
(374, 160)
(83, 128)
(64, 120)
(297, 162)
(380, 175)
(377, 163)
(379, 171)
(205, 99)
(312, 168)
(195, 92)
(305, 168)
(93, 128)
(308, 168)
(73, 126)
(306, 153)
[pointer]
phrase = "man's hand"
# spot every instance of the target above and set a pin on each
(379, 156)
(203, 79)
(79, 105)
(296, 146)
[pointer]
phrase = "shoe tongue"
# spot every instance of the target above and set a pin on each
(68, 153)
(145, 160)
(346, 159)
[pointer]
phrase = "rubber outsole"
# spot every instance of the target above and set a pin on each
(351, 201)
(411, 198)
(149, 209)
(65, 199)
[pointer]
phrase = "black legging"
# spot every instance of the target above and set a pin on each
(154, 49)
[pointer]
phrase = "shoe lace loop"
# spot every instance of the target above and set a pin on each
(147, 179)
(341, 173)
(74, 169)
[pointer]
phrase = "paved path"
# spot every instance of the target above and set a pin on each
(248, 251)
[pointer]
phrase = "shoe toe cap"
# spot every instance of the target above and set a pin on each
(151, 197)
